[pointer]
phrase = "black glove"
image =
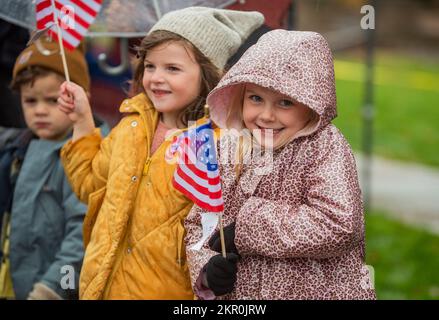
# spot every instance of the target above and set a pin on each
(229, 240)
(221, 273)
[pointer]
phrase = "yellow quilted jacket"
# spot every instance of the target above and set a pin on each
(133, 230)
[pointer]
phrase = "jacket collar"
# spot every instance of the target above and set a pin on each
(138, 104)
(142, 104)
(51, 145)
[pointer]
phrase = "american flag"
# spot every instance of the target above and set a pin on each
(197, 174)
(74, 17)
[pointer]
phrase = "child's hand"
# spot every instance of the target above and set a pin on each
(221, 273)
(229, 240)
(74, 102)
(42, 292)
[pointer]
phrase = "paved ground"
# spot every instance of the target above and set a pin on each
(408, 192)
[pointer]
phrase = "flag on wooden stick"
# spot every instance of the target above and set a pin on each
(73, 16)
(197, 176)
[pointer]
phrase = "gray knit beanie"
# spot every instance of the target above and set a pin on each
(217, 33)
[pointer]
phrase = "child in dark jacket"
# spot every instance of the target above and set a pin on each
(41, 240)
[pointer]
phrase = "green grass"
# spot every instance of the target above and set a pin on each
(406, 124)
(405, 259)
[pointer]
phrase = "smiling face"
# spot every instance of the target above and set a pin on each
(40, 108)
(171, 79)
(273, 118)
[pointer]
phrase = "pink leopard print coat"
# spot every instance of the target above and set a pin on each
(299, 218)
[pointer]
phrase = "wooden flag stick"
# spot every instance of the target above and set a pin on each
(61, 46)
(223, 244)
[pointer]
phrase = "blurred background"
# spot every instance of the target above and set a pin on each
(388, 109)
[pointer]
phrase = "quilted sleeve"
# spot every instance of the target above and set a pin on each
(86, 163)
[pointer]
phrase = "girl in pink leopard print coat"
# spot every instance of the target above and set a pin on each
(294, 217)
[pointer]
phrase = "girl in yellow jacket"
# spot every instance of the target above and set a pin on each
(133, 230)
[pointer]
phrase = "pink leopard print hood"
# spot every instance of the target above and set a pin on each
(294, 63)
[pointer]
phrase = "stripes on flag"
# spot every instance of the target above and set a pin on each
(74, 24)
(197, 174)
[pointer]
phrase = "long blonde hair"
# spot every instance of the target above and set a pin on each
(245, 139)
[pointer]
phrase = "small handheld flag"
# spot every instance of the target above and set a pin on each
(66, 20)
(197, 176)
(74, 18)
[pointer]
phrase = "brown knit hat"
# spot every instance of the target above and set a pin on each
(45, 53)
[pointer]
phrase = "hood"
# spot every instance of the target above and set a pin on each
(294, 63)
